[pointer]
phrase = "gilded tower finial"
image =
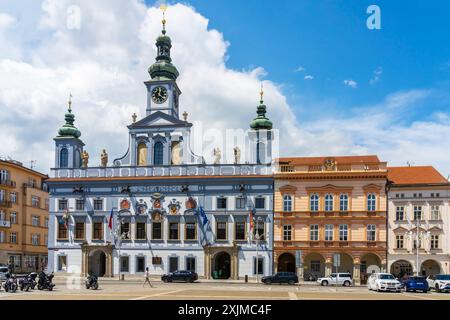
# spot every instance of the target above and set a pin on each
(163, 8)
(261, 94)
(70, 103)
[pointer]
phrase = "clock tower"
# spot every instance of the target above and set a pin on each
(162, 89)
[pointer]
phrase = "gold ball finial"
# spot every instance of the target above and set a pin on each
(261, 93)
(163, 8)
(185, 115)
(70, 102)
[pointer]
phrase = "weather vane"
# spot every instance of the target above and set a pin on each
(261, 93)
(163, 8)
(70, 102)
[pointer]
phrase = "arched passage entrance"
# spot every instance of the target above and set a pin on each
(430, 267)
(346, 264)
(222, 266)
(97, 263)
(286, 262)
(401, 268)
(313, 266)
(370, 263)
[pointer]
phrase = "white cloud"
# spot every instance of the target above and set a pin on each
(300, 69)
(308, 77)
(351, 83)
(376, 75)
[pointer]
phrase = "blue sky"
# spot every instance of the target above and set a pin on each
(330, 40)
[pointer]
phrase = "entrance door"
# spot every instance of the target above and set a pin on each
(173, 264)
(97, 264)
(286, 263)
(222, 266)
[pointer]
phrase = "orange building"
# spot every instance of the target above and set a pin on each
(23, 217)
(329, 205)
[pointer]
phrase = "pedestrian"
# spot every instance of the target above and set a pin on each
(147, 278)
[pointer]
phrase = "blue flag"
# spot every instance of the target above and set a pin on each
(203, 215)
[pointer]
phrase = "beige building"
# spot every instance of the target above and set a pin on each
(330, 205)
(419, 226)
(23, 217)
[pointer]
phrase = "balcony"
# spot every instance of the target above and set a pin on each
(8, 183)
(5, 204)
(5, 224)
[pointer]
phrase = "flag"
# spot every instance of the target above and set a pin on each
(110, 222)
(251, 214)
(203, 215)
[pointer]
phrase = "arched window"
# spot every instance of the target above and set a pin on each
(329, 202)
(314, 202)
(142, 154)
(287, 203)
(371, 202)
(343, 202)
(158, 153)
(4, 175)
(260, 153)
(64, 158)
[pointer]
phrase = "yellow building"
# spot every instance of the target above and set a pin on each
(329, 205)
(23, 217)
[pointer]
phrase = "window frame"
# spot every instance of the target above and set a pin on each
(399, 210)
(244, 224)
(343, 232)
(343, 202)
(371, 202)
(186, 223)
(329, 200)
(225, 201)
(287, 232)
(95, 230)
(170, 238)
(160, 230)
(400, 239)
(79, 230)
(287, 203)
(313, 232)
(141, 227)
(329, 231)
(314, 202)
(371, 232)
(222, 230)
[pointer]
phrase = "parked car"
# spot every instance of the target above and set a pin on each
(180, 275)
(439, 282)
(281, 277)
(383, 282)
(3, 273)
(311, 276)
(341, 279)
(416, 284)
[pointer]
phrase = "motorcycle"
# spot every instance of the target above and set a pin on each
(92, 282)
(32, 276)
(28, 282)
(45, 281)
(10, 284)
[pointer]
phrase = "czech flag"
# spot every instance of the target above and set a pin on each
(251, 214)
(110, 222)
(203, 215)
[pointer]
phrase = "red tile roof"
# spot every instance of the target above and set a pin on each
(339, 159)
(415, 175)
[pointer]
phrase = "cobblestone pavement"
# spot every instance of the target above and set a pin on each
(133, 290)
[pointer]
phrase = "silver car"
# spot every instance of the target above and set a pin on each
(341, 279)
(3, 272)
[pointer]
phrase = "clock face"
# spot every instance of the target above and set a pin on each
(159, 94)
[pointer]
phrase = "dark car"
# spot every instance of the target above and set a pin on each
(180, 276)
(416, 284)
(281, 277)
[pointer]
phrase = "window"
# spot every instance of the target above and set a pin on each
(434, 241)
(400, 241)
(46, 222)
(417, 212)
(221, 230)
(140, 264)
(98, 204)
(190, 264)
(13, 217)
(157, 231)
(400, 213)
(260, 152)
(260, 203)
(62, 204)
(287, 232)
(35, 239)
(435, 212)
(314, 232)
(13, 237)
(64, 158)
(140, 231)
(315, 266)
(239, 230)
(2, 215)
(343, 232)
(79, 230)
(158, 153)
(343, 202)
(371, 202)
(371, 232)
(221, 203)
(4, 175)
(329, 230)
(124, 264)
(62, 263)
(329, 202)
(259, 229)
(46, 240)
(415, 244)
(240, 203)
(125, 231)
(62, 231)
(35, 221)
(2, 236)
(142, 154)
(314, 202)
(2, 195)
(13, 197)
(173, 231)
(173, 264)
(287, 203)
(35, 201)
(98, 231)
(190, 231)
(258, 265)
(79, 204)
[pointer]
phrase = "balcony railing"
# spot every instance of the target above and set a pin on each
(5, 224)
(8, 183)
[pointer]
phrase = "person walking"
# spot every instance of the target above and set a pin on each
(147, 278)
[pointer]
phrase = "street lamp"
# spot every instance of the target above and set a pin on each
(420, 238)
(119, 236)
(257, 238)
